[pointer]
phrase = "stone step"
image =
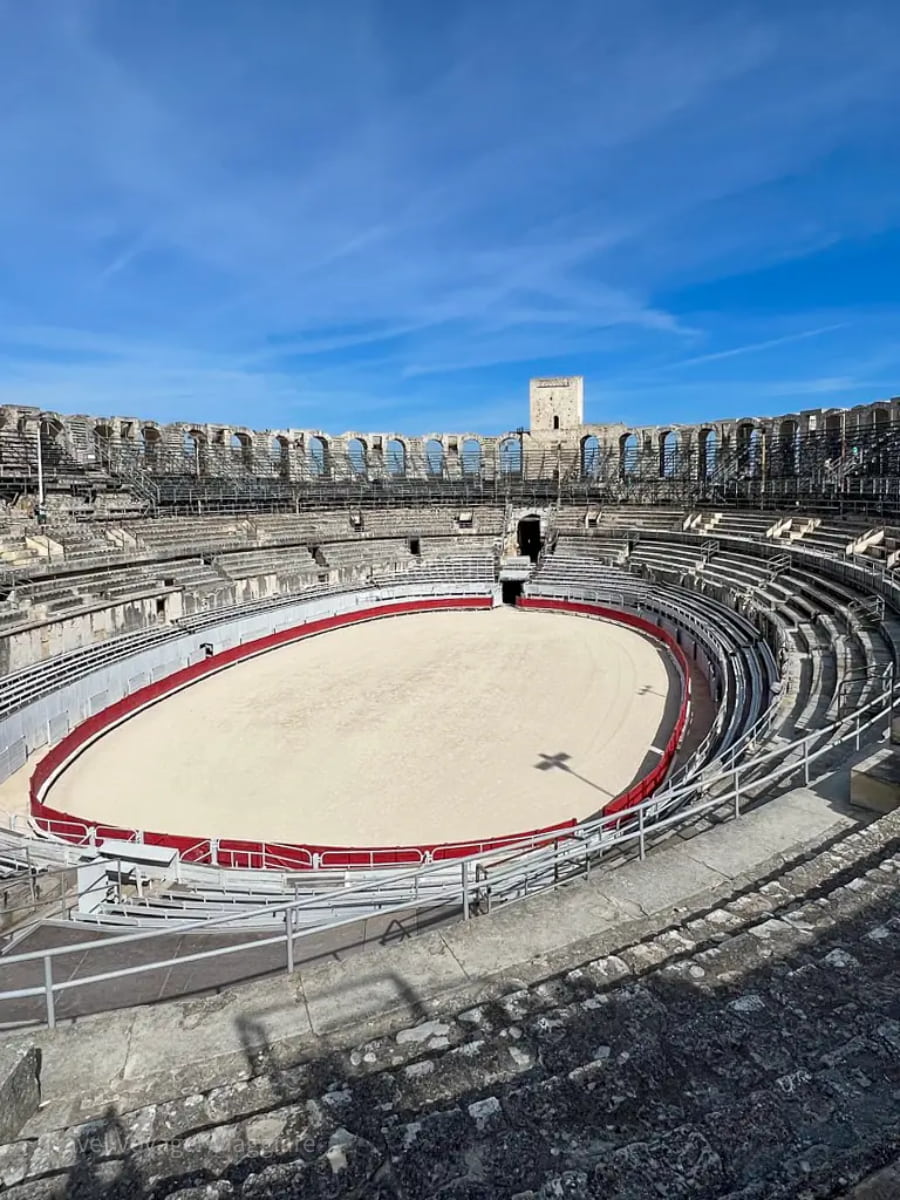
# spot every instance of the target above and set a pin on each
(747, 1053)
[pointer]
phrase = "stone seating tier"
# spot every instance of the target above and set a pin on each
(747, 1049)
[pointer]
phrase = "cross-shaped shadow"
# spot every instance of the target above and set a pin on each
(646, 690)
(560, 762)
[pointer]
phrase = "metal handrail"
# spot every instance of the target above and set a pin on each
(636, 823)
(633, 825)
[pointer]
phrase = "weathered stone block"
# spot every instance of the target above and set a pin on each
(876, 785)
(20, 1087)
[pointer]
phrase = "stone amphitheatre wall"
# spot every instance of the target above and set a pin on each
(556, 429)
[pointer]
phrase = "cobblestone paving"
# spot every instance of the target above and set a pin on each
(752, 1053)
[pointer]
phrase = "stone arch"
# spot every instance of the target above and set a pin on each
(510, 456)
(749, 449)
(195, 450)
(470, 456)
(789, 447)
(668, 453)
(834, 435)
(395, 458)
(529, 539)
(590, 456)
(50, 436)
(434, 457)
(357, 457)
(151, 440)
(629, 451)
(281, 455)
(708, 453)
(103, 436)
(317, 456)
(242, 449)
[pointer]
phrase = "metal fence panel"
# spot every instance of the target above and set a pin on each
(57, 728)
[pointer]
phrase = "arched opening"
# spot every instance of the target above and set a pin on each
(317, 457)
(708, 453)
(103, 444)
(242, 450)
(357, 458)
(789, 448)
(395, 458)
(50, 433)
(434, 457)
(628, 454)
(470, 456)
(510, 456)
(150, 438)
(749, 450)
(510, 591)
(590, 457)
(529, 537)
(834, 438)
(281, 454)
(668, 453)
(194, 444)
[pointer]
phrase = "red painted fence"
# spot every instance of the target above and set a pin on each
(647, 786)
(251, 854)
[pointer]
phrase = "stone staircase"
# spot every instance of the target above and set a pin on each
(749, 1051)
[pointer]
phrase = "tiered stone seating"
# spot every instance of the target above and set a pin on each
(671, 560)
(186, 535)
(456, 567)
(281, 561)
(736, 524)
(312, 527)
(745, 1047)
(831, 538)
(16, 553)
(614, 518)
(362, 555)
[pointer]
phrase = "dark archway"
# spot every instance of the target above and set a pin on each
(511, 590)
(530, 541)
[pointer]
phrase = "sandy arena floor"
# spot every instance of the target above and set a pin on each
(428, 728)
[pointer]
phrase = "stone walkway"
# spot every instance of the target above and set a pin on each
(748, 1049)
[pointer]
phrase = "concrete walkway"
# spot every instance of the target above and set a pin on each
(153, 1052)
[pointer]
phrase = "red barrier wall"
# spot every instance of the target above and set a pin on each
(647, 786)
(238, 853)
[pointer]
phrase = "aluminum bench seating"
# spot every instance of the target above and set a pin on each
(30, 683)
(270, 561)
(742, 525)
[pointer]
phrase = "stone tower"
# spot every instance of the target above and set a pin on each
(556, 404)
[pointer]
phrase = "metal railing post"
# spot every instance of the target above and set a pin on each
(806, 761)
(642, 847)
(465, 889)
(737, 793)
(289, 937)
(48, 992)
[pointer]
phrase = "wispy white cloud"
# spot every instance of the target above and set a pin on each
(757, 347)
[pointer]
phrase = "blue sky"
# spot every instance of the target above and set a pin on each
(388, 215)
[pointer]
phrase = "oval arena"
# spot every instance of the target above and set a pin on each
(358, 730)
(428, 777)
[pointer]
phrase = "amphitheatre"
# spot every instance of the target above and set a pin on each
(450, 816)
